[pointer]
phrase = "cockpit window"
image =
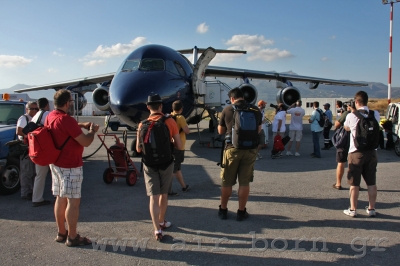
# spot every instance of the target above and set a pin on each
(152, 65)
(171, 67)
(181, 71)
(131, 65)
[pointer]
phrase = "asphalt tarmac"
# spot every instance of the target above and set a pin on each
(296, 217)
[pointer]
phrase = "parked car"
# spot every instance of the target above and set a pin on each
(10, 111)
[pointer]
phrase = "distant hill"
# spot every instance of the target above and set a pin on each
(267, 90)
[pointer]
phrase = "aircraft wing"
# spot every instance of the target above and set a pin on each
(81, 81)
(245, 73)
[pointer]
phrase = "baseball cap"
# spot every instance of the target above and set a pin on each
(261, 102)
(327, 104)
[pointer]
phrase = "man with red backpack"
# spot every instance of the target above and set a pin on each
(67, 172)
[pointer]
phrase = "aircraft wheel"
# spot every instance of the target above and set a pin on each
(397, 147)
(107, 176)
(131, 178)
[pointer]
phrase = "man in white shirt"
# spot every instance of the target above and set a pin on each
(278, 125)
(27, 167)
(361, 163)
(41, 171)
(295, 127)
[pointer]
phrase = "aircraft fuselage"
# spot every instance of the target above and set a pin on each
(151, 69)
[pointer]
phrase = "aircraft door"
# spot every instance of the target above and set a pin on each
(198, 71)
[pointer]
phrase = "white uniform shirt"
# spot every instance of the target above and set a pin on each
(36, 117)
(281, 115)
(351, 122)
(22, 123)
(296, 122)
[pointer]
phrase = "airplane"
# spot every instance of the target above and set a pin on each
(157, 69)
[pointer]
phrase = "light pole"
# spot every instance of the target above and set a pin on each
(391, 2)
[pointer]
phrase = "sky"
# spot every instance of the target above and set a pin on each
(45, 41)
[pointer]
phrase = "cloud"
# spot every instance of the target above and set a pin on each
(332, 37)
(57, 53)
(202, 28)
(9, 61)
(93, 63)
(255, 45)
(52, 70)
(117, 49)
(324, 59)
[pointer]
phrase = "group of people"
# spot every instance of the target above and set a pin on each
(237, 162)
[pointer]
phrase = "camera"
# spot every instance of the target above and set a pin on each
(350, 103)
(274, 106)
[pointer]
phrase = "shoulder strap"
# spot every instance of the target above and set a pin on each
(27, 120)
(40, 117)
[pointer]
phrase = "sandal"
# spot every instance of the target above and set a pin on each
(77, 241)
(337, 187)
(61, 237)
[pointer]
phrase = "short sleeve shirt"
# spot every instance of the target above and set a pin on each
(181, 123)
(281, 115)
(296, 121)
(37, 115)
(61, 127)
(22, 123)
(226, 119)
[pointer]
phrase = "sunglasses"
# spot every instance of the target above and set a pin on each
(37, 109)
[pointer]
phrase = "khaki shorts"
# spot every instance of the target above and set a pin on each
(157, 182)
(238, 164)
(67, 182)
(296, 135)
(362, 164)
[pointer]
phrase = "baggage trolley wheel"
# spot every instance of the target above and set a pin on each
(107, 176)
(131, 177)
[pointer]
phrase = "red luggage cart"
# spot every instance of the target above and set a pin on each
(123, 165)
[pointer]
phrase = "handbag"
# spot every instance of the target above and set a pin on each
(341, 138)
(16, 148)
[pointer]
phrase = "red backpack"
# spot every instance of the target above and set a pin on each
(42, 149)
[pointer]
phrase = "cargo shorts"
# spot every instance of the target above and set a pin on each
(238, 164)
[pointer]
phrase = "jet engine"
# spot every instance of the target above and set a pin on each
(250, 93)
(288, 96)
(100, 98)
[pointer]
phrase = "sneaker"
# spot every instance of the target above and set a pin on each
(371, 212)
(27, 197)
(315, 156)
(41, 203)
(185, 189)
(165, 225)
(173, 194)
(242, 215)
(289, 153)
(297, 154)
(350, 212)
(312, 154)
(159, 235)
(223, 213)
(259, 156)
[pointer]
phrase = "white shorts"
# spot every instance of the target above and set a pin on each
(67, 182)
(296, 135)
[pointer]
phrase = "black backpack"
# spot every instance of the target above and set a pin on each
(156, 143)
(367, 132)
(322, 116)
(245, 127)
